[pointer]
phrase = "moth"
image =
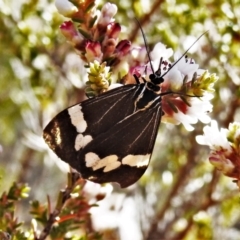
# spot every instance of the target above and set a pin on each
(110, 137)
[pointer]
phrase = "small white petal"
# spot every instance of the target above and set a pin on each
(159, 51)
(200, 140)
(185, 67)
(65, 7)
(186, 120)
(109, 9)
(107, 13)
(200, 109)
(174, 78)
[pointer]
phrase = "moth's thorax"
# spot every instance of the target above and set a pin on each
(153, 87)
(148, 96)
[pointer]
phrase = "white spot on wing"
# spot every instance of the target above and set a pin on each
(81, 141)
(77, 118)
(136, 160)
(91, 159)
(57, 134)
(109, 163)
(58, 138)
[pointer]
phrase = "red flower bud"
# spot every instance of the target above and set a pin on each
(93, 51)
(109, 47)
(113, 30)
(70, 32)
(123, 48)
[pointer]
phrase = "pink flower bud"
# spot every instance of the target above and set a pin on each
(70, 32)
(123, 48)
(113, 30)
(93, 51)
(219, 160)
(109, 47)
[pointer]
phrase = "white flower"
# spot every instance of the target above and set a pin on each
(160, 51)
(224, 145)
(215, 139)
(107, 13)
(200, 107)
(137, 54)
(65, 7)
(173, 73)
(182, 69)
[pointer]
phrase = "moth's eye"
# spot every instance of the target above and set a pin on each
(152, 77)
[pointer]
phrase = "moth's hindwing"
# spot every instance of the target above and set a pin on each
(106, 125)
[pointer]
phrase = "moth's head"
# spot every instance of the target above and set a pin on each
(156, 78)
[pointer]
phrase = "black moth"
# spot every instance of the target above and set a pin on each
(110, 138)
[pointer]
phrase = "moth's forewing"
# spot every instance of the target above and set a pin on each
(93, 116)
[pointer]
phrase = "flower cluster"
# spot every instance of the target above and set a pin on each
(94, 34)
(225, 148)
(96, 39)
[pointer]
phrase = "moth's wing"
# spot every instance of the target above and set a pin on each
(74, 127)
(122, 153)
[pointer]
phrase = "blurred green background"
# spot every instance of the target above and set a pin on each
(180, 196)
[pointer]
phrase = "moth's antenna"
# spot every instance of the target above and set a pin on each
(184, 53)
(146, 45)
